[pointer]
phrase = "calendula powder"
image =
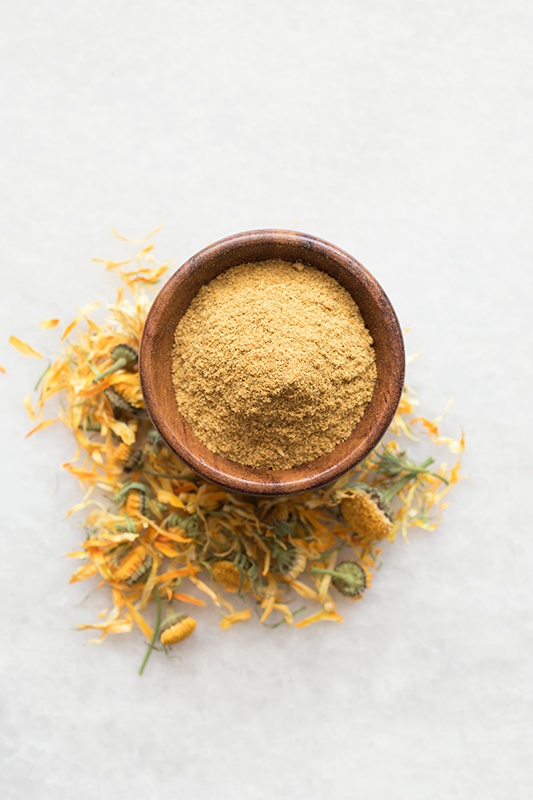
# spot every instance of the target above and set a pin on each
(272, 364)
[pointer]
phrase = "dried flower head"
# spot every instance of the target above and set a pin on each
(289, 563)
(136, 503)
(352, 578)
(231, 577)
(176, 628)
(126, 354)
(134, 567)
(364, 512)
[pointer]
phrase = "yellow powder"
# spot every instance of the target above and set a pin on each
(272, 364)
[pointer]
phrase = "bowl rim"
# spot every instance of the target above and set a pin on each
(261, 485)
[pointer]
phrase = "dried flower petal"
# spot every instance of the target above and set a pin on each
(23, 347)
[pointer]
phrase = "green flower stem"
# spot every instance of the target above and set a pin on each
(155, 633)
(334, 574)
(142, 487)
(119, 364)
(42, 376)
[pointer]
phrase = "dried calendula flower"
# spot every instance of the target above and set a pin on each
(176, 628)
(230, 576)
(123, 356)
(134, 567)
(350, 578)
(131, 393)
(363, 510)
(367, 508)
(136, 503)
(119, 405)
(133, 460)
(289, 563)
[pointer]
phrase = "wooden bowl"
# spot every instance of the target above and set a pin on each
(155, 359)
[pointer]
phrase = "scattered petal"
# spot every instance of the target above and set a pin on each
(322, 616)
(83, 312)
(83, 572)
(140, 620)
(41, 426)
(29, 408)
(24, 348)
(238, 616)
(136, 241)
(169, 499)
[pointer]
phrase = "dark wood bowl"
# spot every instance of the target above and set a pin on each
(155, 360)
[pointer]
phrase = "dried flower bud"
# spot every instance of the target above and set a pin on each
(230, 576)
(351, 578)
(176, 628)
(127, 354)
(136, 503)
(134, 566)
(364, 512)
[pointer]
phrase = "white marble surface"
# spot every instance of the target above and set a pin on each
(400, 131)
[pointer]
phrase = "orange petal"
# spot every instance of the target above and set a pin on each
(238, 616)
(3, 370)
(83, 572)
(23, 347)
(28, 407)
(44, 424)
(169, 498)
(139, 619)
(81, 313)
(166, 549)
(176, 573)
(136, 241)
(322, 616)
(49, 323)
(188, 598)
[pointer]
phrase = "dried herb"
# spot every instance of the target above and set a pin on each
(156, 530)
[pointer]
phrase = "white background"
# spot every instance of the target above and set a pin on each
(401, 131)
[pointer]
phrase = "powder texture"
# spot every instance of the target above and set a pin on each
(272, 364)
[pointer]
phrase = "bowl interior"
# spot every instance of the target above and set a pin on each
(155, 364)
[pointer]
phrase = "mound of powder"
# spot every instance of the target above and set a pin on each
(272, 364)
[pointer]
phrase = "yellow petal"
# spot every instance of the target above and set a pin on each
(81, 313)
(123, 431)
(139, 619)
(115, 626)
(322, 616)
(28, 406)
(218, 601)
(83, 572)
(169, 498)
(23, 347)
(166, 549)
(136, 241)
(303, 590)
(81, 505)
(238, 616)
(188, 598)
(49, 323)
(3, 370)
(41, 426)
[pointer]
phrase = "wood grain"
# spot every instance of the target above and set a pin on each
(155, 360)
